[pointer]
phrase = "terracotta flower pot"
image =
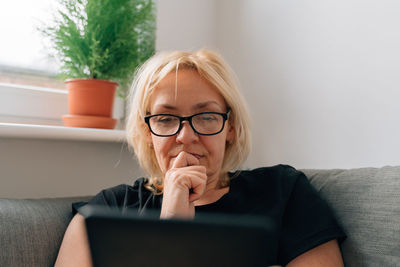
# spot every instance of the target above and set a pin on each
(90, 103)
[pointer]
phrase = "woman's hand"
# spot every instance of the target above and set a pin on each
(184, 183)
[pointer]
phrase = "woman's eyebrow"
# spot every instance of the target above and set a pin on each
(164, 106)
(206, 104)
(197, 106)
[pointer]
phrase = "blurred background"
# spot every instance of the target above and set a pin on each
(322, 80)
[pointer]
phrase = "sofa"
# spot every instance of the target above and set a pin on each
(366, 202)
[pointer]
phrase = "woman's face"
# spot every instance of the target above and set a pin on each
(194, 95)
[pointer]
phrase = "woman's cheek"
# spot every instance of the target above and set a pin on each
(162, 162)
(169, 163)
(161, 149)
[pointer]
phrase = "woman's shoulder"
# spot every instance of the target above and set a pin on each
(119, 196)
(139, 184)
(282, 178)
(122, 195)
(271, 170)
(281, 172)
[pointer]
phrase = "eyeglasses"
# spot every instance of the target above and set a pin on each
(205, 123)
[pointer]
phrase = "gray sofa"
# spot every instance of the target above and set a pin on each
(366, 202)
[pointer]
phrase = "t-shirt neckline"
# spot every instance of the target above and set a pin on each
(225, 198)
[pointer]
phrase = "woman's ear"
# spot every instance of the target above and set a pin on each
(230, 136)
(149, 138)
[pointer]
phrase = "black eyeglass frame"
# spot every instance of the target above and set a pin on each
(225, 117)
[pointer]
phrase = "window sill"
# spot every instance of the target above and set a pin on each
(31, 131)
(23, 104)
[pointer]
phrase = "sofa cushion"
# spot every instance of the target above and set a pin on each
(31, 231)
(367, 204)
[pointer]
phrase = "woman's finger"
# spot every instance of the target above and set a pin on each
(198, 187)
(184, 159)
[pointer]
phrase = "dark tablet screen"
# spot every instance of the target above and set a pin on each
(126, 239)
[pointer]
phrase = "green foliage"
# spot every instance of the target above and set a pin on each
(102, 39)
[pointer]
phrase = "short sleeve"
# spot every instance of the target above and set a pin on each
(115, 197)
(123, 197)
(308, 221)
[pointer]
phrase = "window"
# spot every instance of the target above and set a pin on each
(29, 90)
(23, 57)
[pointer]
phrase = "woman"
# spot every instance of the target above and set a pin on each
(188, 125)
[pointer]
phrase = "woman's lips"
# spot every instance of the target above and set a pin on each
(197, 156)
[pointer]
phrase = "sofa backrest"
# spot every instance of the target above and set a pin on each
(367, 204)
(31, 231)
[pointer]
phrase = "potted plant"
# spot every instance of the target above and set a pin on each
(99, 44)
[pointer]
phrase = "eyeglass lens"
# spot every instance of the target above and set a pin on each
(204, 123)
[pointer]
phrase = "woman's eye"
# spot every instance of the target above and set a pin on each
(208, 118)
(165, 119)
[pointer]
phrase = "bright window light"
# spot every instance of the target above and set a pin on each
(23, 56)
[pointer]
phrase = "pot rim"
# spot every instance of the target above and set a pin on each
(89, 79)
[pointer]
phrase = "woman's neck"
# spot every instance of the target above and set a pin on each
(213, 193)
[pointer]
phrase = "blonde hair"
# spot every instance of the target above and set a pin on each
(211, 67)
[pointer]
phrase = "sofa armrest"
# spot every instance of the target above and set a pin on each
(366, 202)
(31, 230)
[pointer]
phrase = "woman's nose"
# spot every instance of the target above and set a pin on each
(186, 134)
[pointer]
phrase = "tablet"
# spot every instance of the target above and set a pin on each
(127, 239)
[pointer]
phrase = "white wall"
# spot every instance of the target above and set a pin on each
(321, 77)
(37, 168)
(188, 24)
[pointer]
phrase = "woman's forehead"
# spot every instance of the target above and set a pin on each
(195, 106)
(187, 89)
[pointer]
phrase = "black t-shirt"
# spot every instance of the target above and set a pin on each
(279, 192)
